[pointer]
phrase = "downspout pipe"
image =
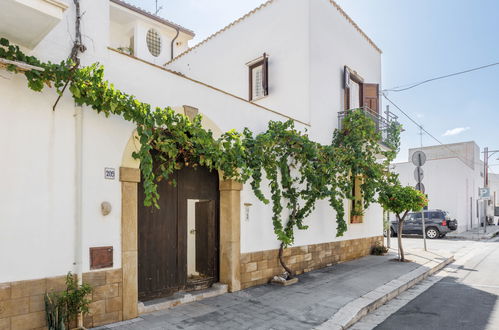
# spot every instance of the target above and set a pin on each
(173, 40)
(78, 230)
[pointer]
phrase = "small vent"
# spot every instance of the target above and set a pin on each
(153, 40)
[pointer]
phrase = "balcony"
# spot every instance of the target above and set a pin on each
(27, 22)
(384, 124)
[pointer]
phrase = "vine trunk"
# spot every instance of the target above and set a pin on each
(283, 264)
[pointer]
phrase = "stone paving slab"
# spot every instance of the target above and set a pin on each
(315, 299)
(475, 234)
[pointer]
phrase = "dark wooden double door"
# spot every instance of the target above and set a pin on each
(165, 235)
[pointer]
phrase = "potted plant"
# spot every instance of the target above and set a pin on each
(379, 249)
(357, 212)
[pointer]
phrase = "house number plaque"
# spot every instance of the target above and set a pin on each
(109, 173)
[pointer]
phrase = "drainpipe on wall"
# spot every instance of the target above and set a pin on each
(171, 48)
(78, 246)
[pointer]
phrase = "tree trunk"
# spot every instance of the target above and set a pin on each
(399, 238)
(283, 264)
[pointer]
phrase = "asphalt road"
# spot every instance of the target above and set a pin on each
(465, 299)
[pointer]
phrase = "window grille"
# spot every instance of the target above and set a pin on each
(153, 40)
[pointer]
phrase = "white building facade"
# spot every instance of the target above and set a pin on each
(453, 173)
(70, 193)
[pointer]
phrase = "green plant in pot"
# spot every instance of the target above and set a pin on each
(62, 308)
(357, 212)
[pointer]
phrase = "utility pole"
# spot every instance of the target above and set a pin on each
(422, 211)
(485, 185)
(387, 224)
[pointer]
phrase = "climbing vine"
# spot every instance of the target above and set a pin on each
(299, 171)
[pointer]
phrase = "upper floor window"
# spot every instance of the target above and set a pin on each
(258, 78)
(358, 93)
(153, 40)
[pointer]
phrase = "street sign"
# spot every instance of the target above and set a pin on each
(484, 193)
(419, 158)
(418, 174)
(420, 187)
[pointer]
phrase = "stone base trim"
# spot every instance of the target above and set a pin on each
(259, 267)
(22, 303)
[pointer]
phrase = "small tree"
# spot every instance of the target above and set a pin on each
(400, 200)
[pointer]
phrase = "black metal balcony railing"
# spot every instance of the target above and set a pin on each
(384, 124)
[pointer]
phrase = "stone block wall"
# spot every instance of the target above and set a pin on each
(22, 303)
(107, 297)
(259, 267)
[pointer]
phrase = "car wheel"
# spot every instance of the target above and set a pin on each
(392, 233)
(432, 233)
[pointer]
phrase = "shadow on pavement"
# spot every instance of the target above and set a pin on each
(446, 305)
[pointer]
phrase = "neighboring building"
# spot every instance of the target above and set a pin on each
(494, 197)
(63, 171)
(452, 175)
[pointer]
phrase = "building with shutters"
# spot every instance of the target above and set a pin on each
(453, 173)
(71, 197)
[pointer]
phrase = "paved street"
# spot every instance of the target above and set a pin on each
(309, 303)
(462, 297)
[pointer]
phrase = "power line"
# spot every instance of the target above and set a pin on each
(397, 89)
(465, 161)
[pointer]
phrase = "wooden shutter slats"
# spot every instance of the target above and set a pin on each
(371, 97)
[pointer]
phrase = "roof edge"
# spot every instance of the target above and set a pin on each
(153, 17)
(265, 4)
(209, 86)
(351, 21)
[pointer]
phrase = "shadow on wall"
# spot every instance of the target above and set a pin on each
(448, 304)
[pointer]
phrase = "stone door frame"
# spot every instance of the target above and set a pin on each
(230, 235)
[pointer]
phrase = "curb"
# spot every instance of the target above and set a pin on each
(346, 316)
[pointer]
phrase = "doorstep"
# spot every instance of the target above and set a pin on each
(181, 298)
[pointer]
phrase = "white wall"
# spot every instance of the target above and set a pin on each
(126, 24)
(309, 43)
(334, 43)
(469, 153)
(37, 170)
(281, 30)
(450, 184)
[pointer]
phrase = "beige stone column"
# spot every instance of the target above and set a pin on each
(230, 234)
(129, 177)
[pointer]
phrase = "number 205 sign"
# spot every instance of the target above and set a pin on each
(109, 173)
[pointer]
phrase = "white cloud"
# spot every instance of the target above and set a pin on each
(455, 131)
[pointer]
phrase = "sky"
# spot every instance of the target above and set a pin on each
(420, 40)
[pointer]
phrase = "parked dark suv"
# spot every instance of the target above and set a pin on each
(437, 224)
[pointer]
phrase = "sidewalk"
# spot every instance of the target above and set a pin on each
(475, 234)
(336, 294)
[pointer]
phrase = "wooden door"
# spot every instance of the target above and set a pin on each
(158, 244)
(162, 233)
(205, 238)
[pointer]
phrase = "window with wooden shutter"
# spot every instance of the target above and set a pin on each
(258, 78)
(371, 97)
(353, 85)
